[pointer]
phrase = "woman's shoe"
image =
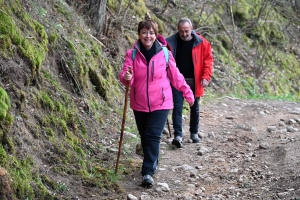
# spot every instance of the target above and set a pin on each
(177, 141)
(147, 181)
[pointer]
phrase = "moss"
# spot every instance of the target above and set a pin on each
(20, 172)
(11, 27)
(88, 52)
(241, 12)
(80, 151)
(140, 8)
(1, 137)
(46, 101)
(96, 49)
(83, 130)
(3, 156)
(49, 132)
(62, 10)
(161, 25)
(6, 49)
(41, 192)
(48, 182)
(59, 106)
(53, 39)
(113, 4)
(226, 42)
(71, 46)
(130, 39)
(4, 103)
(64, 126)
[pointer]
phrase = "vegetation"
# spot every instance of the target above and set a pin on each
(60, 98)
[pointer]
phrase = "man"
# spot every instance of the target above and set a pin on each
(193, 56)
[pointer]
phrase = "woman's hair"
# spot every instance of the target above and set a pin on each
(148, 24)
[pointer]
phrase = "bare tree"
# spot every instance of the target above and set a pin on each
(202, 10)
(98, 12)
(166, 6)
(297, 6)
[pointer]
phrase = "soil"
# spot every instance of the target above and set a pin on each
(249, 150)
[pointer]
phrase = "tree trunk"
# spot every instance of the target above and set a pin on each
(98, 12)
(297, 5)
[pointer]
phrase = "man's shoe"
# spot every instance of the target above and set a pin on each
(177, 142)
(195, 138)
(147, 181)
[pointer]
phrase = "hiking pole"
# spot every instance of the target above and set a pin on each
(123, 122)
(169, 127)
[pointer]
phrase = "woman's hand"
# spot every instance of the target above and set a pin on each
(191, 103)
(128, 75)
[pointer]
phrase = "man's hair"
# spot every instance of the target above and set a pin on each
(183, 20)
(148, 24)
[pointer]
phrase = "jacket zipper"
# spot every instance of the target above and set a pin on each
(147, 89)
(152, 70)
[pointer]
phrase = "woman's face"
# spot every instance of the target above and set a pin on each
(147, 37)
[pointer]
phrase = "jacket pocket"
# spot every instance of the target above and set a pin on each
(163, 96)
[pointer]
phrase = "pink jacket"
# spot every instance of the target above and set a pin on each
(150, 85)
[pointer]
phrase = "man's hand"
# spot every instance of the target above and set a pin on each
(204, 83)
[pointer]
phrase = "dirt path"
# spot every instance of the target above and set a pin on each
(250, 150)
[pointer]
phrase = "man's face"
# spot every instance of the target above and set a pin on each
(185, 31)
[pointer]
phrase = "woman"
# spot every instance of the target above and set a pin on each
(151, 94)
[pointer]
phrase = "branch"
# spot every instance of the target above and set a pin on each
(97, 41)
(233, 24)
(202, 10)
(227, 32)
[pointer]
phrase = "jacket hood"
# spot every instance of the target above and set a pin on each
(162, 40)
(172, 40)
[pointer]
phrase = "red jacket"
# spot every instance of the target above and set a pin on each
(202, 59)
(150, 84)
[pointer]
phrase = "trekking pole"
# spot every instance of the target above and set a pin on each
(123, 122)
(169, 127)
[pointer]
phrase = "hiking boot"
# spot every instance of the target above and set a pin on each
(177, 142)
(195, 138)
(147, 181)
